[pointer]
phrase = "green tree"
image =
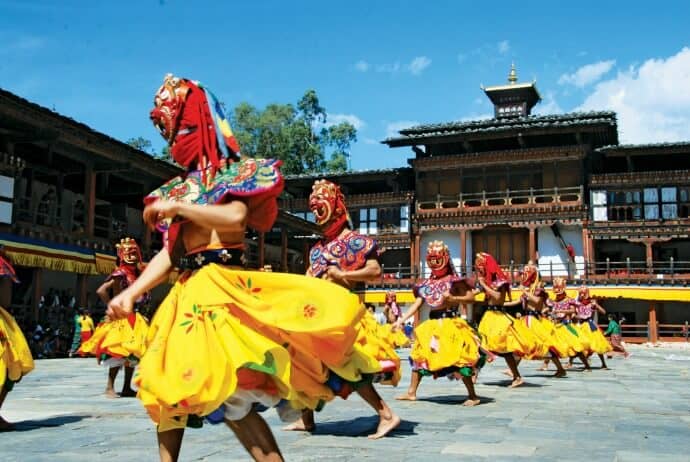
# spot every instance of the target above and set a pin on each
(298, 135)
(141, 144)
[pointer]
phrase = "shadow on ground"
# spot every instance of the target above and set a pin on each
(57, 421)
(362, 426)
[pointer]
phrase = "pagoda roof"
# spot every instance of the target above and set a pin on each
(501, 126)
(348, 174)
(68, 129)
(677, 147)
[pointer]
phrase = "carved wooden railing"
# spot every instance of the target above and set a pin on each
(505, 199)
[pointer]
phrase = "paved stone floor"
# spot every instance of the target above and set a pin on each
(639, 411)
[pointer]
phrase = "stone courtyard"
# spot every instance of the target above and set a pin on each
(638, 411)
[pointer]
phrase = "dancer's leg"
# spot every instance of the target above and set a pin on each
(169, 444)
(256, 437)
(387, 419)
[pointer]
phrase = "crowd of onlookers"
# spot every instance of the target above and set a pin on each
(52, 334)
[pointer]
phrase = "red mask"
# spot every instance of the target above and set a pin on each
(192, 122)
(390, 297)
(583, 294)
(559, 285)
(327, 203)
(128, 252)
(438, 259)
(529, 275)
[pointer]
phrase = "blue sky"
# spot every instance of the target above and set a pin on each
(381, 65)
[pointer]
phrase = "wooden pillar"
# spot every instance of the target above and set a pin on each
(653, 326)
(417, 255)
(82, 287)
(36, 292)
(412, 254)
(463, 251)
(649, 255)
(532, 243)
(283, 250)
(262, 249)
(90, 200)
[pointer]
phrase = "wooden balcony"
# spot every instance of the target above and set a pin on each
(508, 203)
(352, 200)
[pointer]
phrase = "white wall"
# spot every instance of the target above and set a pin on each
(552, 255)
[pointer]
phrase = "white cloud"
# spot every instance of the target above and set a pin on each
(418, 64)
(390, 68)
(503, 47)
(651, 100)
(392, 128)
(548, 105)
(362, 66)
(335, 119)
(370, 141)
(587, 74)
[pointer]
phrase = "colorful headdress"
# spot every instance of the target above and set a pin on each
(438, 259)
(391, 297)
(532, 280)
(128, 251)
(488, 267)
(559, 285)
(583, 294)
(327, 202)
(191, 120)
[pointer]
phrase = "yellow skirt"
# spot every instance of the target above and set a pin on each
(374, 353)
(556, 343)
(15, 357)
(222, 332)
(597, 342)
(502, 333)
(584, 334)
(396, 338)
(124, 338)
(444, 343)
(569, 337)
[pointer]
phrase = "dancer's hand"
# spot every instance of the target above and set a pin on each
(159, 210)
(335, 274)
(121, 306)
(397, 325)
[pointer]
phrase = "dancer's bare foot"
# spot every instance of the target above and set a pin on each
(111, 394)
(299, 426)
(567, 366)
(587, 369)
(471, 402)
(128, 393)
(5, 426)
(605, 368)
(385, 427)
(543, 368)
(560, 374)
(516, 383)
(407, 397)
(507, 372)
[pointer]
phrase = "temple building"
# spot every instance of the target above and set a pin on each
(558, 190)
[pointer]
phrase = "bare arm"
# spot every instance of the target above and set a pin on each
(102, 291)
(490, 292)
(410, 311)
(228, 217)
(513, 303)
(453, 300)
(369, 272)
(156, 272)
(599, 308)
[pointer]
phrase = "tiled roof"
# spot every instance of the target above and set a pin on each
(507, 124)
(619, 147)
(318, 176)
(166, 165)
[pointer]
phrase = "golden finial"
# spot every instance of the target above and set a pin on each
(512, 77)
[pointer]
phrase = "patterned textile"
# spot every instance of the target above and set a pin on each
(349, 252)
